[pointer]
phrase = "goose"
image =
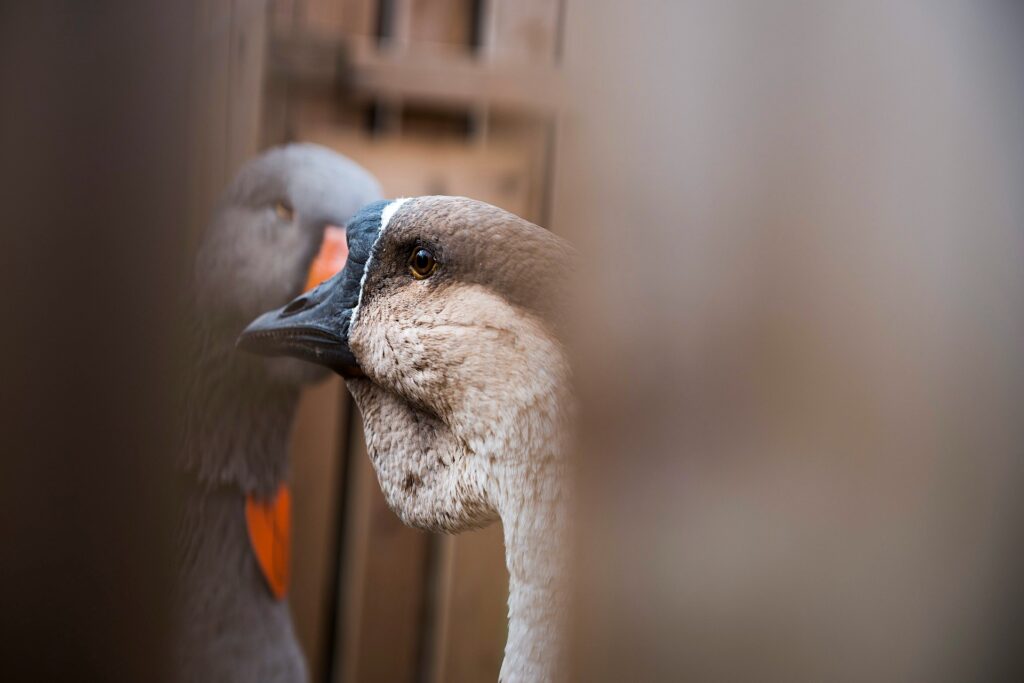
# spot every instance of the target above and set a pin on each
(233, 623)
(445, 324)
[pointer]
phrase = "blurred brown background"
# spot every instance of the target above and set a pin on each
(799, 323)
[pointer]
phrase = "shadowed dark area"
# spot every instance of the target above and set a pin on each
(94, 208)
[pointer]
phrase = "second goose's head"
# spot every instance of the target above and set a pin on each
(272, 220)
(443, 322)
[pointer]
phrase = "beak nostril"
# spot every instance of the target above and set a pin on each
(295, 306)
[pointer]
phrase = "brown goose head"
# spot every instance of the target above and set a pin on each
(443, 321)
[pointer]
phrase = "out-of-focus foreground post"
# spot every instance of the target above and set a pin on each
(803, 230)
(93, 133)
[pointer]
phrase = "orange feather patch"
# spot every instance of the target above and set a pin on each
(330, 259)
(270, 522)
(270, 535)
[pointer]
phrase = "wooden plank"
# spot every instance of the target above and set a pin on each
(359, 17)
(446, 75)
(337, 18)
(472, 619)
(307, 83)
(440, 23)
(455, 79)
(436, 630)
(210, 112)
(284, 15)
(524, 31)
(492, 173)
(353, 561)
(323, 17)
(534, 136)
(384, 566)
(316, 482)
(93, 124)
(399, 28)
(395, 593)
(248, 40)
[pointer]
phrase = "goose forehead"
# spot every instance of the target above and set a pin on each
(443, 215)
(472, 226)
(476, 242)
(389, 210)
(364, 232)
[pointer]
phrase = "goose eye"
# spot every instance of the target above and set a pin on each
(422, 264)
(284, 211)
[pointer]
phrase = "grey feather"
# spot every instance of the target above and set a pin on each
(239, 409)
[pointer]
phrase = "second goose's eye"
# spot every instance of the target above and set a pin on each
(284, 211)
(422, 264)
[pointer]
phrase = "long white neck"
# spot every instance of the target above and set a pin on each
(533, 497)
(536, 552)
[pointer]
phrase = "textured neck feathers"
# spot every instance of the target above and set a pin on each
(536, 552)
(533, 500)
(485, 459)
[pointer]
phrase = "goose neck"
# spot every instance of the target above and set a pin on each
(536, 554)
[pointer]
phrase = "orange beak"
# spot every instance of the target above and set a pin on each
(330, 259)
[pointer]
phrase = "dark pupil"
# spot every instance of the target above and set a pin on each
(422, 260)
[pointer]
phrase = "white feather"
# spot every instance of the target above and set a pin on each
(385, 217)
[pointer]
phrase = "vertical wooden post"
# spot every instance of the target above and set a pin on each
(94, 130)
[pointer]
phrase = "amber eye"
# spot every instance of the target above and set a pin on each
(284, 211)
(422, 264)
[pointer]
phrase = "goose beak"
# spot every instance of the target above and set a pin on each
(313, 327)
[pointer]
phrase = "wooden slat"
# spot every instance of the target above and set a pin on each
(444, 76)
(524, 31)
(472, 599)
(228, 90)
(210, 111)
(495, 173)
(284, 15)
(395, 594)
(337, 18)
(440, 22)
(248, 40)
(359, 17)
(323, 17)
(396, 32)
(384, 567)
(534, 136)
(455, 79)
(353, 562)
(316, 471)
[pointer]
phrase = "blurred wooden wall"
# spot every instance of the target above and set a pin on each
(94, 127)
(433, 97)
(800, 339)
(228, 70)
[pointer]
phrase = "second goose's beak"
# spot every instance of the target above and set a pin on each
(313, 327)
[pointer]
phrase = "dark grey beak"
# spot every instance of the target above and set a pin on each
(314, 327)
